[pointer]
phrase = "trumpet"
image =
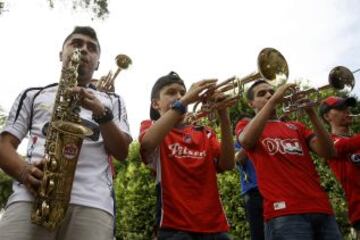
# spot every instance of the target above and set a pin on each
(340, 78)
(106, 83)
(271, 65)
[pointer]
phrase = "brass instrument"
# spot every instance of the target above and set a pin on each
(63, 143)
(271, 66)
(106, 83)
(340, 78)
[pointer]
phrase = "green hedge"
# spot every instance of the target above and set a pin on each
(5, 188)
(135, 198)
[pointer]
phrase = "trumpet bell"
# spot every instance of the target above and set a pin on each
(341, 77)
(272, 65)
(123, 61)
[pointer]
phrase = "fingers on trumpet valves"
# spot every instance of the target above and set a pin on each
(292, 88)
(205, 87)
(226, 102)
(305, 102)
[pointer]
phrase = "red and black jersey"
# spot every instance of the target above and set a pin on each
(186, 166)
(286, 174)
(346, 167)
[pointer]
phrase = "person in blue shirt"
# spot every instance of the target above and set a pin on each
(250, 192)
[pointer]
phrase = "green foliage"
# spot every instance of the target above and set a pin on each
(98, 7)
(135, 198)
(336, 194)
(240, 110)
(229, 188)
(5, 188)
(2, 118)
(5, 181)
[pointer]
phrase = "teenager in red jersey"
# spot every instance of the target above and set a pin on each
(295, 205)
(186, 159)
(346, 165)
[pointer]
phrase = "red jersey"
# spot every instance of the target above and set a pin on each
(287, 178)
(185, 163)
(347, 170)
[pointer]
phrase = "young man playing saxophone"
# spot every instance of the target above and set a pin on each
(91, 213)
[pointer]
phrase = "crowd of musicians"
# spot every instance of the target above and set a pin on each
(280, 184)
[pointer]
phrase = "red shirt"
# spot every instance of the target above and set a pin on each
(347, 170)
(286, 174)
(186, 169)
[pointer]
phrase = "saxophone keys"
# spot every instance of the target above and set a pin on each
(53, 164)
(45, 208)
(51, 185)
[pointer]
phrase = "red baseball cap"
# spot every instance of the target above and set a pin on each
(333, 102)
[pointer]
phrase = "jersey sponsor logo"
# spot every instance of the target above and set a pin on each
(283, 146)
(279, 205)
(177, 150)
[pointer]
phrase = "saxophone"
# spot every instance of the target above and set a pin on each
(64, 139)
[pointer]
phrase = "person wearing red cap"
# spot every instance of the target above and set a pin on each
(346, 165)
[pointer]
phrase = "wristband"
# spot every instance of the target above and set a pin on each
(178, 106)
(107, 116)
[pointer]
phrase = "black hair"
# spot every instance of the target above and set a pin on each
(163, 81)
(250, 93)
(84, 30)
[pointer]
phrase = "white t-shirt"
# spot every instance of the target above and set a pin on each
(93, 183)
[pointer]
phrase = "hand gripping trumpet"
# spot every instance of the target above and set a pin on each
(106, 83)
(271, 66)
(340, 78)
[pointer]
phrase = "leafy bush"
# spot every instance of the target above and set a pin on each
(229, 187)
(5, 188)
(135, 197)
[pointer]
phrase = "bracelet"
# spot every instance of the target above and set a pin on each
(178, 106)
(107, 116)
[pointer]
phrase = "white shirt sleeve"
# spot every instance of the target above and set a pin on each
(18, 120)
(120, 114)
